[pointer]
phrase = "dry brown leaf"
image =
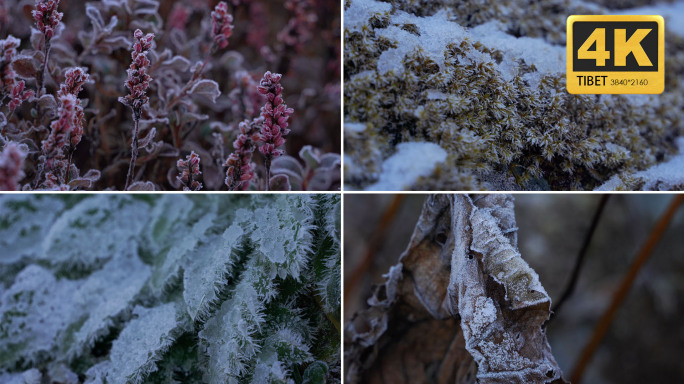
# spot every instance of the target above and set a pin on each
(461, 304)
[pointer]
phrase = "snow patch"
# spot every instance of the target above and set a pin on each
(411, 161)
(360, 11)
(664, 175)
(354, 127)
(436, 32)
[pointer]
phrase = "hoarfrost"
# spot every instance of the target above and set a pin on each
(412, 160)
(172, 283)
(476, 275)
(141, 344)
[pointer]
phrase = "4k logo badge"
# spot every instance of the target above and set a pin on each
(616, 54)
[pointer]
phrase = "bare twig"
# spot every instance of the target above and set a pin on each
(570, 287)
(623, 289)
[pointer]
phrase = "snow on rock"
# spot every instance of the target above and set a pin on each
(547, 58)
(360, 11)
(436, 32)
(411, 161)
(355, 127)
(662, 176)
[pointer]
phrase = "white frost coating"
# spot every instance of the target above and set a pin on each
(355, 127)
(169, 213)
(104, 295)
(171, 266)
(97, 373)
(485, 314)
(412, 160)
(436, 32)
(503, 355)
(282, 234)
(661, 176)
(141, 343)
(11, 378)
(24, 222)
(229, 336)
(268, 236)
(34, 311)
(547, 58)
(51, 307)
(504, 262)
(205, 269)
(111, 230)
(360, 11)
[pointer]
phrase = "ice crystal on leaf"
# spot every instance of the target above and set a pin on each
(474, 290)
(150, 289)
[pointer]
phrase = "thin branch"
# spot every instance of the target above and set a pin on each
(623, 289)
(570, 287)
(134, 150)
(374, 243)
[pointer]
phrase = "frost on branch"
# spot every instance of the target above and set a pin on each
(462, 305)
(167, 289)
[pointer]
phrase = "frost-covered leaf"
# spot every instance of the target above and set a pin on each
(105, 294)
(25, 66)
(206, 269)
(229, 337)
(24, 222)
(282, 232)
(167, 217)
(463, 285)
(86, 181)
(170, 267)
(177, 63)
(141, 344)
(141, 186)
(279, 183)
(207, 88)
(315, 373)
(113, 224)
(33, 312)
(210, 304)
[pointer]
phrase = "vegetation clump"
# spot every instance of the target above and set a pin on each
(499, 109)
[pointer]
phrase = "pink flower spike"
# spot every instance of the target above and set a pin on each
(221, 25)
(275, 114)
(189, 172)
(19, 95)
(11, 166)
(46, 16)
(74, 78)
(240, 168)
(138, 80)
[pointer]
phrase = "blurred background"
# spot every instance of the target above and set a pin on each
(644, 342)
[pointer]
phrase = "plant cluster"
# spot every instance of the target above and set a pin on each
(505, 122)
(186, 74)
(170, 289)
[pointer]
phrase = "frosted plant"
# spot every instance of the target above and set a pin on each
(462, 285)
(170, 289)
(485, 81)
